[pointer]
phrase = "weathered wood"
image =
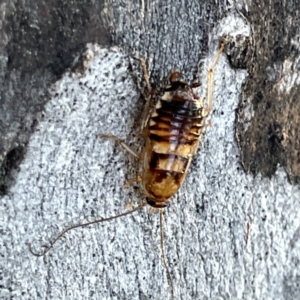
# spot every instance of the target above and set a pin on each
(228, 235)
(268, 115)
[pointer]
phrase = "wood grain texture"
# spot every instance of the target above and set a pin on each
(229, 235)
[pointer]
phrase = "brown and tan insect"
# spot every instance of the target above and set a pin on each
(172, 128)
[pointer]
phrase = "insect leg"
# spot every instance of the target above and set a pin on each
(146, 93)
(121, 142)
(147, 96)
(146, 75)
(210, 79)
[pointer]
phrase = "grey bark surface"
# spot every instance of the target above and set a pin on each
(268, 115)
(228, 235)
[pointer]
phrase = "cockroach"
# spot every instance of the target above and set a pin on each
(172, 127)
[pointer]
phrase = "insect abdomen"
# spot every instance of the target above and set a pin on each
(173, 136)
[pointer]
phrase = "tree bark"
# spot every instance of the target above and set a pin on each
(228, 234)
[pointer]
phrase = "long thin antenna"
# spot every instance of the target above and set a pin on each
(163, 254)
(81, 225)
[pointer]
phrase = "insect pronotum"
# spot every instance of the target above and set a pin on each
(172, 127)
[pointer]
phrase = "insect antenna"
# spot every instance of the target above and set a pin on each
(163, 254)
(81, 225)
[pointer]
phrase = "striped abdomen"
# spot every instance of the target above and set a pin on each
(173, 134)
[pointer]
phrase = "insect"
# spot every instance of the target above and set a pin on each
(172, 127)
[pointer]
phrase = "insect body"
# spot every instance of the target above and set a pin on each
(172, 138)
(172, 131)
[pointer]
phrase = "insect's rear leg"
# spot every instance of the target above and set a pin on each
(210, 79)
(148, 97)
(121, 142)
(146, 93)
(146, 76)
